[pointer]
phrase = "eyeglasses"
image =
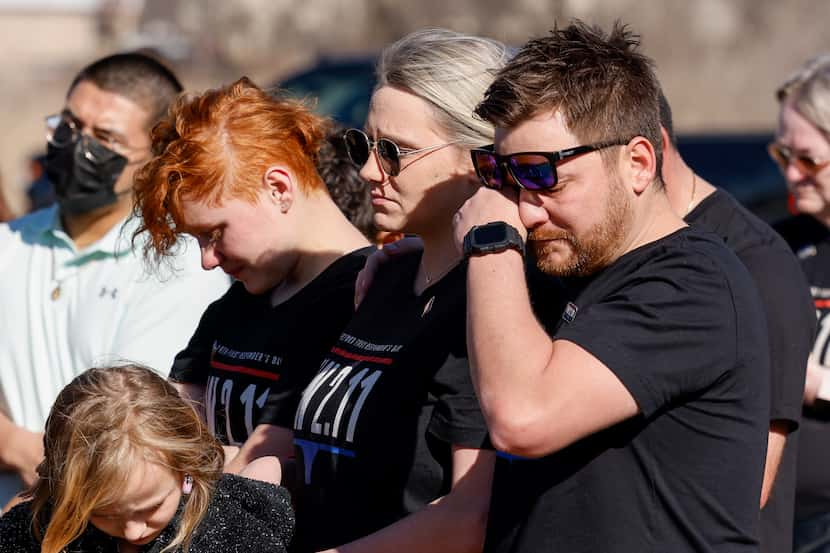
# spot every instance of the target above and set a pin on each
(359, 146)
(62, 130)
(784, 156)
(529, 170)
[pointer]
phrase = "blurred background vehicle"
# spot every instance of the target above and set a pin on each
(340, 87)
(739, 163)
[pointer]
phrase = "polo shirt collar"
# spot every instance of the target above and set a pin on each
(117, 242)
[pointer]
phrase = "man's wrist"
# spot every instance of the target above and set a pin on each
(8, 438)
(21, 449)
(493, 237)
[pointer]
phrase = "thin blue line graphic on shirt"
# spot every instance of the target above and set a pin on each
(310, 450)
(510, 458)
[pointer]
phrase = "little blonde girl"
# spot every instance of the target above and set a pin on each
(130, 467)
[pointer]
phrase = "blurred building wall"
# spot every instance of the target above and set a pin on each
(37, 48)
(719, 60)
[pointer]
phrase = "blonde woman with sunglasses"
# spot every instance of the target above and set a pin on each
(390, 440)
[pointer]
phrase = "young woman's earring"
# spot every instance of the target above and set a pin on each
(187, 484)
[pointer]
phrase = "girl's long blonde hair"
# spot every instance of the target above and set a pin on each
(101, 423)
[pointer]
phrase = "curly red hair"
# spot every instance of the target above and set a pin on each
(218, 144)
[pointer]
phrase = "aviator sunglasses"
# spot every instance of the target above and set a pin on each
(784, 156)
(359, 147)
(529, 170)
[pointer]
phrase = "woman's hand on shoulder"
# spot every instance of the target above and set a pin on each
(231, 451)
(365, 277)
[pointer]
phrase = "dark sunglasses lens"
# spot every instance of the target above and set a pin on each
(389, 157)
(534, 172)
(487, 169)
(357, 146)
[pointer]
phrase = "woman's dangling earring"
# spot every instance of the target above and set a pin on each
(187, 484)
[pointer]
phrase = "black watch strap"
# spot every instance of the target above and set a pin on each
(492, 238)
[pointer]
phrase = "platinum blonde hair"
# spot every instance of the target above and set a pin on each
(450, 71)
(809, 91)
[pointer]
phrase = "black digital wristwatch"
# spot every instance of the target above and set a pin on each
(492, 238)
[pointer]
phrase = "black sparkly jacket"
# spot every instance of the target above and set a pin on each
(244, 516)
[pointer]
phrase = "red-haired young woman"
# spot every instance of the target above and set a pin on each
(235, 168)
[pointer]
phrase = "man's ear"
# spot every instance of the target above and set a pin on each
(640, 162)
(281, 186)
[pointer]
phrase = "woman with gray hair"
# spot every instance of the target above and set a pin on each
(802, 151)
(390, 438)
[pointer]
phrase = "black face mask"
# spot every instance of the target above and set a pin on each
(84, 174)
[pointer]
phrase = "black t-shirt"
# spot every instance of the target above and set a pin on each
(255, 358)
(811, 242)
(791, 323)
(679, 322)
(374, 429)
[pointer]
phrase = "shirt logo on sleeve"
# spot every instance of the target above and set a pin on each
(569, 314)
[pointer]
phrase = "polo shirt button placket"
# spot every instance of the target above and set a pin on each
(61, 271)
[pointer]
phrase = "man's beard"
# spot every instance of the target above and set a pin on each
(596, 250)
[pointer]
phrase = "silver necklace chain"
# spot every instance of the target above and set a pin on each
(692, 199)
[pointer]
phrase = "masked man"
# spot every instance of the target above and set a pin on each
(74, 290)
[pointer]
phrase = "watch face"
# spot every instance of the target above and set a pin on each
(490, 234)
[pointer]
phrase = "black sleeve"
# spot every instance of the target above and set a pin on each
(190, 365)
(253, 516)
(16, 531)
(791, 323)
(664, 333)
(457, 418)
(801, 231)
(331, 313)
(281, 406)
